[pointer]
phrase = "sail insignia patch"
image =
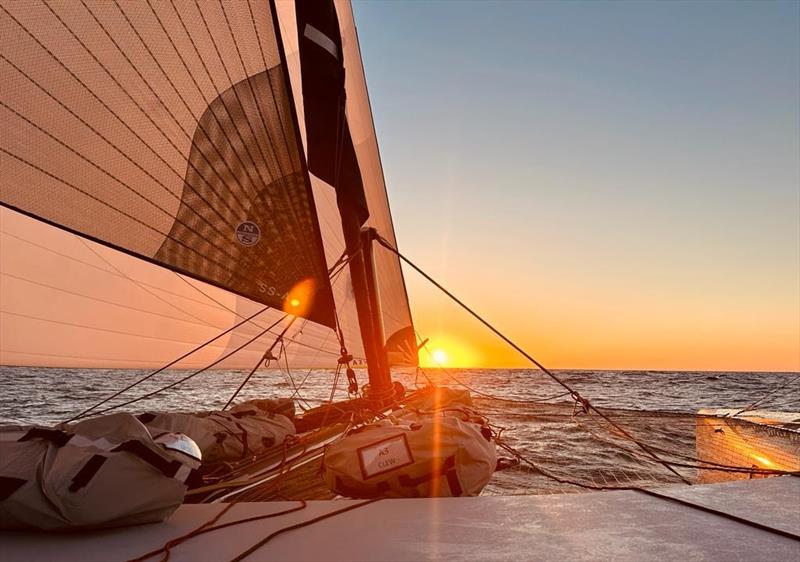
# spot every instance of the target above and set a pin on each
(248, 233)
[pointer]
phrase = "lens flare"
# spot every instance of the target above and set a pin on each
(300, 298)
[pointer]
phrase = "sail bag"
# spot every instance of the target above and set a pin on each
(102, 472)
(448, 452)
(248, 429)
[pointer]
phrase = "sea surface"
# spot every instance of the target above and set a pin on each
(531, 411)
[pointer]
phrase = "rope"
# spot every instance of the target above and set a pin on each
(583, 401)
(302, 402)
(258, 363)
(486, 394)
(207, 528)
(306, 523)
(767, 395)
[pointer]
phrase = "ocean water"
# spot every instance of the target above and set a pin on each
(527, 407)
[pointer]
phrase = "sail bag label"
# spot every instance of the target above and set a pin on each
(385, 455)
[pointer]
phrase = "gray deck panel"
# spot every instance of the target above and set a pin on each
(600, 526)
(746, 499)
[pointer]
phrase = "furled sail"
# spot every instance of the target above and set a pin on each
(164, 130)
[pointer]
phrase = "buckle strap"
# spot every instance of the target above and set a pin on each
(447, 469)
(86, 473)
(378, 490)
(55, 436)
(167, 468)
(9, 485)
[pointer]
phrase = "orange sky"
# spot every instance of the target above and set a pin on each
(601, 322)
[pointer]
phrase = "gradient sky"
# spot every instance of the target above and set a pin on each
(615, 185)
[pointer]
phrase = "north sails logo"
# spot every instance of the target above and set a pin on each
(248, 233)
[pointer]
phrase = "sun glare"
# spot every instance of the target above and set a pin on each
(440, 356)
(300, 299)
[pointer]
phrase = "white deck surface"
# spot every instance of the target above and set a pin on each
(622, 525)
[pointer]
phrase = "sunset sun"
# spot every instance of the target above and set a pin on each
(440, 356)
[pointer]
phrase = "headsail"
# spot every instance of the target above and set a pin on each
(355, 177)
(175, 133)
(165, 132)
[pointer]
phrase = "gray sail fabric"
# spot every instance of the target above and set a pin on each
(164, 130)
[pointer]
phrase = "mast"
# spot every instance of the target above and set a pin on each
(331, 156)
(367, 299)
(380, 378)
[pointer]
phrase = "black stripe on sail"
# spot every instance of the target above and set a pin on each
(331, 154)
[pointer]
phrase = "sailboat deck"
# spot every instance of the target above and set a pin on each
(620, 525)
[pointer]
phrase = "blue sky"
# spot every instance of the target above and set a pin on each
(639, 153)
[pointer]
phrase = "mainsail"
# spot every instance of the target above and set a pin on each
(166, 133)
(174, 132)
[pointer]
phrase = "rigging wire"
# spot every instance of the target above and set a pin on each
(334, 271)
(574, 393)
(302, 402)
(149, 394)
(337, 268)
(263, 358)
(481, 393)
